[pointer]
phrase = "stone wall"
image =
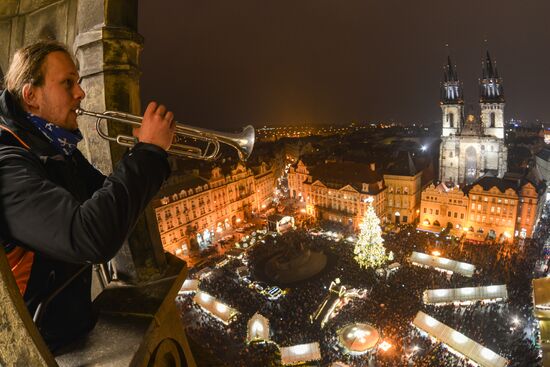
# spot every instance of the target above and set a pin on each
(23, 21)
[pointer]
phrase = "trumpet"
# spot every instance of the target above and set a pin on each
(242, 142)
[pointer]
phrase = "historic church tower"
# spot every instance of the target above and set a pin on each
(470, 146)
(491, 99)
(452, 104)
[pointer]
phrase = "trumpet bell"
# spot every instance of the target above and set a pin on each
(244, 140)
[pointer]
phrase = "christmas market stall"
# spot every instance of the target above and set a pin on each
(541, 301)
(214, 307)
(442, 264)
(189, 286)
(300, 353)
(492, 293)
(457, 342)
(258, 329)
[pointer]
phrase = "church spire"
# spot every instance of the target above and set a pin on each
(491, 89)
(487, 66)
(451, 88)
(449, 74)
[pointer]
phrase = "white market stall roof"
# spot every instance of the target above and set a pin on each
(441, 263)
(219, 310)
(541, 293)
(189, 286)
(469, 294)
(541, 300)
(258, 328)
(300, 353)
(458, 342)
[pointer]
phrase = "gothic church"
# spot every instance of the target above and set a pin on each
(471, 146)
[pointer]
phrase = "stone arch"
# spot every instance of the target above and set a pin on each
(470, 165)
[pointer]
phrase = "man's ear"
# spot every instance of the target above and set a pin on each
(28, 95)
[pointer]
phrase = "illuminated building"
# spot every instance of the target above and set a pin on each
(442, 207)
(203, 207)
(543, 165)
(404, 191)
(338, 191)
(501, 207)
(491, 208)
(471, 147)
(264, 184)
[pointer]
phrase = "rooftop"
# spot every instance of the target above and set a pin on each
(340, 174)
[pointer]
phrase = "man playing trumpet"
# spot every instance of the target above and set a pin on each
(57, 212)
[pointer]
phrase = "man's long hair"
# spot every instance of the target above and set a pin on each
(26, 66)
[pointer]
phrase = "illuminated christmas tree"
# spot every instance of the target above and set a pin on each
(369, 249)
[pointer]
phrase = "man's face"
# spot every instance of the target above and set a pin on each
(60, 94)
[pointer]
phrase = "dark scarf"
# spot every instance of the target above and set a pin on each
(64, 141)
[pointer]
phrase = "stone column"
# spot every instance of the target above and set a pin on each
(107, 47)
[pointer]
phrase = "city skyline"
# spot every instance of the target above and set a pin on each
(219, 64)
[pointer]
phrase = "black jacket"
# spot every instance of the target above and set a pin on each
(68, 214)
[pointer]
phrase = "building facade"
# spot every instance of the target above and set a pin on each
(339, 192)
(443, 207)
(404, 183)
(297, 179)
(542, 160)
(491, 208)
(472, 146)
(206, 207)
(264, 182)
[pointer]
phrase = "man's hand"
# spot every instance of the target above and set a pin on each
(157, 127)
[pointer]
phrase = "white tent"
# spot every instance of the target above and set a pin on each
(541, 295)
(466, 295)
(300, 353)
(443, 264)
(258, 328)
(214, 307)
(541, 300)
(189, 286)
(458, 342)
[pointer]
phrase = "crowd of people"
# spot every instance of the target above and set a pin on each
(391, 303)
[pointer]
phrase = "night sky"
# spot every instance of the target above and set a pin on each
(224, 64)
